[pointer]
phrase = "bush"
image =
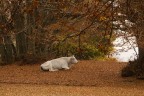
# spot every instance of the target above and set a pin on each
(88, 51)
(130, 69)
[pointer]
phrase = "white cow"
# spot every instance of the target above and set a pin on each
(59, 63)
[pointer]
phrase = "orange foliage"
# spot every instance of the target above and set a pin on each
(35, 3)
(29, 9)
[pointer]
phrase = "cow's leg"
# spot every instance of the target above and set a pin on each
(51, 69)
(66, 68)
(54, 70)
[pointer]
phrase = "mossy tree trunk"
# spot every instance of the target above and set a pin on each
(7, 48)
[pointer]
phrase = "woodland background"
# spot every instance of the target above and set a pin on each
(43, 29)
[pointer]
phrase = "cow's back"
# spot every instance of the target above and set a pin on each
(58, 63)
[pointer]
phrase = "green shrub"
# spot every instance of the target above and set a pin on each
(89, 52)
(86, 51)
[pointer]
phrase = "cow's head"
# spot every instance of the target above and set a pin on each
(73, 60)
(45, 67)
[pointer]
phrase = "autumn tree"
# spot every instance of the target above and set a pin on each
(133, 9)
(36, 29)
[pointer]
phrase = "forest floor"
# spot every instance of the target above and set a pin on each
(87, 78)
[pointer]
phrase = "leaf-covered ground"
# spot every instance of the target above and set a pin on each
(85, 73)
(83, 79)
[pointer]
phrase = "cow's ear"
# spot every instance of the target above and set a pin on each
(72, 56)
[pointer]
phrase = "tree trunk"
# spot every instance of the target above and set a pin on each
(3, 54)
(9, 49)
(21, 44)
(140, 63)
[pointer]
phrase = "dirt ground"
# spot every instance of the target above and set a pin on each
(93, 78)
